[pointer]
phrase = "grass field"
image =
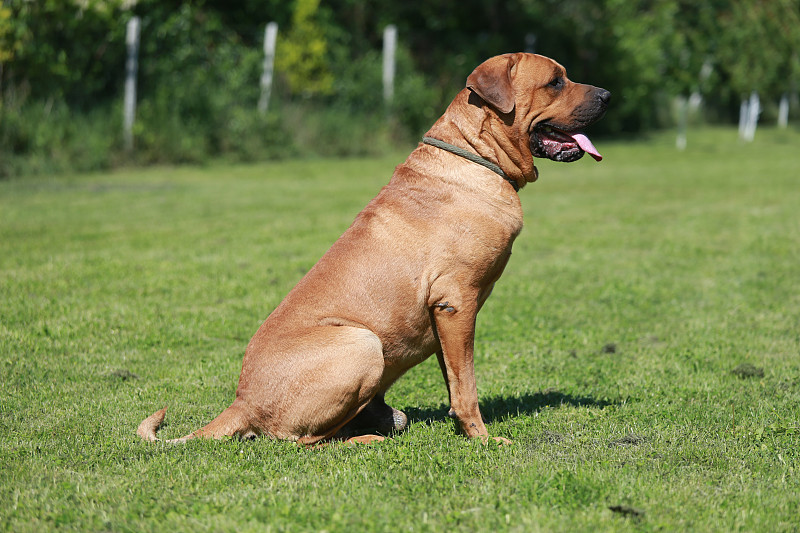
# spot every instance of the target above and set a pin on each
(642, 350)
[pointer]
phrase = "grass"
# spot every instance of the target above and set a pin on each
(642, 350)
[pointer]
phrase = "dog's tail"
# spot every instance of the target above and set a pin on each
(232, 421)
(147, 429)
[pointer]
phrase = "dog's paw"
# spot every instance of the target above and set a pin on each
(399, 420)
(365, 439)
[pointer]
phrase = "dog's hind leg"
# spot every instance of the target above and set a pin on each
(303, 388)
(232, 422)
(308, 386)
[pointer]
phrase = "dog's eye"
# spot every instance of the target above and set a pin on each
(556, 83)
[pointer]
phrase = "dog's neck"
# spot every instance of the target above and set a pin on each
(475, 158)
(491, 136)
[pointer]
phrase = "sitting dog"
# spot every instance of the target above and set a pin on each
(408, 278)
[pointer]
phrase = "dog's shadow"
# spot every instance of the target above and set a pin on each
(498, 407)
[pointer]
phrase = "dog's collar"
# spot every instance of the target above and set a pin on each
(475, 158)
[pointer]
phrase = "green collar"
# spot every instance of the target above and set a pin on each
(475, 158)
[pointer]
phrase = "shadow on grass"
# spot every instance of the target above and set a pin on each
(497, 407)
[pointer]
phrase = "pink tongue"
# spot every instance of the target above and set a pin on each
(586, 145)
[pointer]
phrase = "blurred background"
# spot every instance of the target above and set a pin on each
(199, 65)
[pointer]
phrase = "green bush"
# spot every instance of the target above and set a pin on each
(417, 102)
(334, 131)
(47, 137)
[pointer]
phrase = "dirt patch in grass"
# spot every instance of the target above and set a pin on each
(550, 437)
(122, 375)
(628, 440)
(610, 347)
(746, 371)
(627, 511)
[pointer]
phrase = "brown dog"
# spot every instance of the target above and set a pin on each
(408, 278)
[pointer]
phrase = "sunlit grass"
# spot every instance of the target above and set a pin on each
(607, 351)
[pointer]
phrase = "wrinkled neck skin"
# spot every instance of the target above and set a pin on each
(480, 129)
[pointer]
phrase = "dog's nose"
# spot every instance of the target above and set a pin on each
(604, 96)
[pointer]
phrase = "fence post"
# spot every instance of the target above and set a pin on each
(783, 111)
(743, 114)
(131, 67)
(683, 121)
(270, 38)
(753, 110)
(389, 45)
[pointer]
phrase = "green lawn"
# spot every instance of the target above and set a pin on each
(613, 351)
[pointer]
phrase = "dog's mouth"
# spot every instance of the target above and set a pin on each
(558, 145)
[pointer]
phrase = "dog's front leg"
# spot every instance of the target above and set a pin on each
(440, 357)
(455, 327)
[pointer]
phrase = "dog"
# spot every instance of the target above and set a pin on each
(408, 278)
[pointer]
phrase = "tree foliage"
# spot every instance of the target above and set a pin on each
(759, 45)
(303, 55)
(62, 49)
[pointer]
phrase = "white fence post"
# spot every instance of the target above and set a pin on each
(749, 110)
(783, 111)
(270, 38)
(743, 114)
(389, 45)
(683, 121)
(131, 66)
(753, 110)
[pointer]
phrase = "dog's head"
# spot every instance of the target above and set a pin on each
(532, 95)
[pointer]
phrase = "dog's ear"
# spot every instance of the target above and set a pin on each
(491, 80)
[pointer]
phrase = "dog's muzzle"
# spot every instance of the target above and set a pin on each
(567, 143)
(547, 141)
